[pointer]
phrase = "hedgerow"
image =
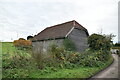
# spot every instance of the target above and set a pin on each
(22, 43)
(100, 42)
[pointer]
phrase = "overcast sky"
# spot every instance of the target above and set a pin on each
(21, 18)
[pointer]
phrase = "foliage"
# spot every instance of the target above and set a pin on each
(21, 39)
(29, 38)
(99, 51)
(117, 45)
(20, 64)
(22, 43)
(118, 52)
(91, 58)
(100, 42)
(39, 58)
(66, 57)
(69, 45)
(60, 57)
(16, 63)
(69, 59)
(77, 72)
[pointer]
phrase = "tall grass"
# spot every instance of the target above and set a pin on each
(15, 62)
(65, 64)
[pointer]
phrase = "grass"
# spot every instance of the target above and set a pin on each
(80, 72)
(30, 70)
(8, 50)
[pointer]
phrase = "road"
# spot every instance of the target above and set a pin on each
(110, 72)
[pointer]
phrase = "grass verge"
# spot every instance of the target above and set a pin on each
(31, 71)
(80, 72)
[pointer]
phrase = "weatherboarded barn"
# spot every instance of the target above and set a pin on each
(57, 33)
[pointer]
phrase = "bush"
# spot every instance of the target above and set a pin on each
(117, 45)
(39, 58)
(29, 38)
(93, 58)
(21, 39)
(69, 45)
(100, 42)
(118, 52)
(16, 61)
(22, 43)
(60, 57)
(68, 59)
(100, 46)
(56, 54)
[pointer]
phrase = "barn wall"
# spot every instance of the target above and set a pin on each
(79, 37)
(43, 46)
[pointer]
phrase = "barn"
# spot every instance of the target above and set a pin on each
(57, 33)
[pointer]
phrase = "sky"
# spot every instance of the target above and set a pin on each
(21, 18)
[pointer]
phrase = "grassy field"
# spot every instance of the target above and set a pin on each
(20, 64)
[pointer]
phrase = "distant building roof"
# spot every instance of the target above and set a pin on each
(58, 31)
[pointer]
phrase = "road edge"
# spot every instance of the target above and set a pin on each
(89, 78)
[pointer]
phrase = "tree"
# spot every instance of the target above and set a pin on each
(21, 39)
(29, 37)
(100, 42)
(117, 44)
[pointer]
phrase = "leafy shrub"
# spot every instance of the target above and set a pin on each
(118, 52)
(68, 59)
(69, 45)
(100, 42)
(55, 55)
(60, 57)
(21, 39)
(100, 46)
(17, 65)
(22, 43)
(117, 45)
(17, 61)
(39, 58)
(91, 58)
(29, 38)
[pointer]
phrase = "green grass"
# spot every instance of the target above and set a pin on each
(30, 70)
(80, 72)
(8, 50)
